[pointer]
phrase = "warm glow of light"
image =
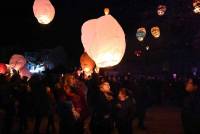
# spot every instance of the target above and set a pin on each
(43, 11)
(3, 68)
(141, 33)
(106, 11)
(104, 41)
(86, 69)
(87, 64)
(161, 10)
(155, 31)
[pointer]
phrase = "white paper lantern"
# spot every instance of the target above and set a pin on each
(43, 11)
(17, 62)
(104, 41)
(141, 33)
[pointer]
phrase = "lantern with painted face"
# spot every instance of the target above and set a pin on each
(104, 41)
(155, 31)
(43, 11)
(87, 64)
(141, 33)
(161, 10)
(196, 5)
(3, 68)
(17, 62)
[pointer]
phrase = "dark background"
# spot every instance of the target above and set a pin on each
(177, 48)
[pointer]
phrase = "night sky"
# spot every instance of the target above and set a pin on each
(180, 28)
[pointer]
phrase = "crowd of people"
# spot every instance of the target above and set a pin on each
(69, 104)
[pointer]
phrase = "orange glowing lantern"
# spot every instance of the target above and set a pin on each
(3, 68)
(87, 64)
(155, 31)
(196, 5)
(106, 11)
(141, 33)
(17, 62)
(43, 11)
(161, 10)
(104, 41)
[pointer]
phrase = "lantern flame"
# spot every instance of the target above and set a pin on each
(106, 11)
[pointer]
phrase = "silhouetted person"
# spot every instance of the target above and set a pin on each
(191, 108)
(102, 114)
(125, 112)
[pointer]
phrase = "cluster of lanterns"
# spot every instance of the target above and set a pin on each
(196, 6)
(141, 33)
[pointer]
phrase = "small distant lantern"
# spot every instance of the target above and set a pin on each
(196, 5)
(106, 11)
(87, 64)
(141, 33)
(17, 62)
(161, 10)
(3, 68)
(104, 41)
(147, 48)
(155, 31)
(138, 53)
(43, 11)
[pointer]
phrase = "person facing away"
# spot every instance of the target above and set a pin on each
(125, 112)
(191, 107)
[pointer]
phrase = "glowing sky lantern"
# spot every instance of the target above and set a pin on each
(106, 11)
(104, 41)
(196, 5)
(161, 10)
(24, 72)
(87, 64)
(17, 62)
(155, 31)
(141, 33)
(3, 68)
(43, 11)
